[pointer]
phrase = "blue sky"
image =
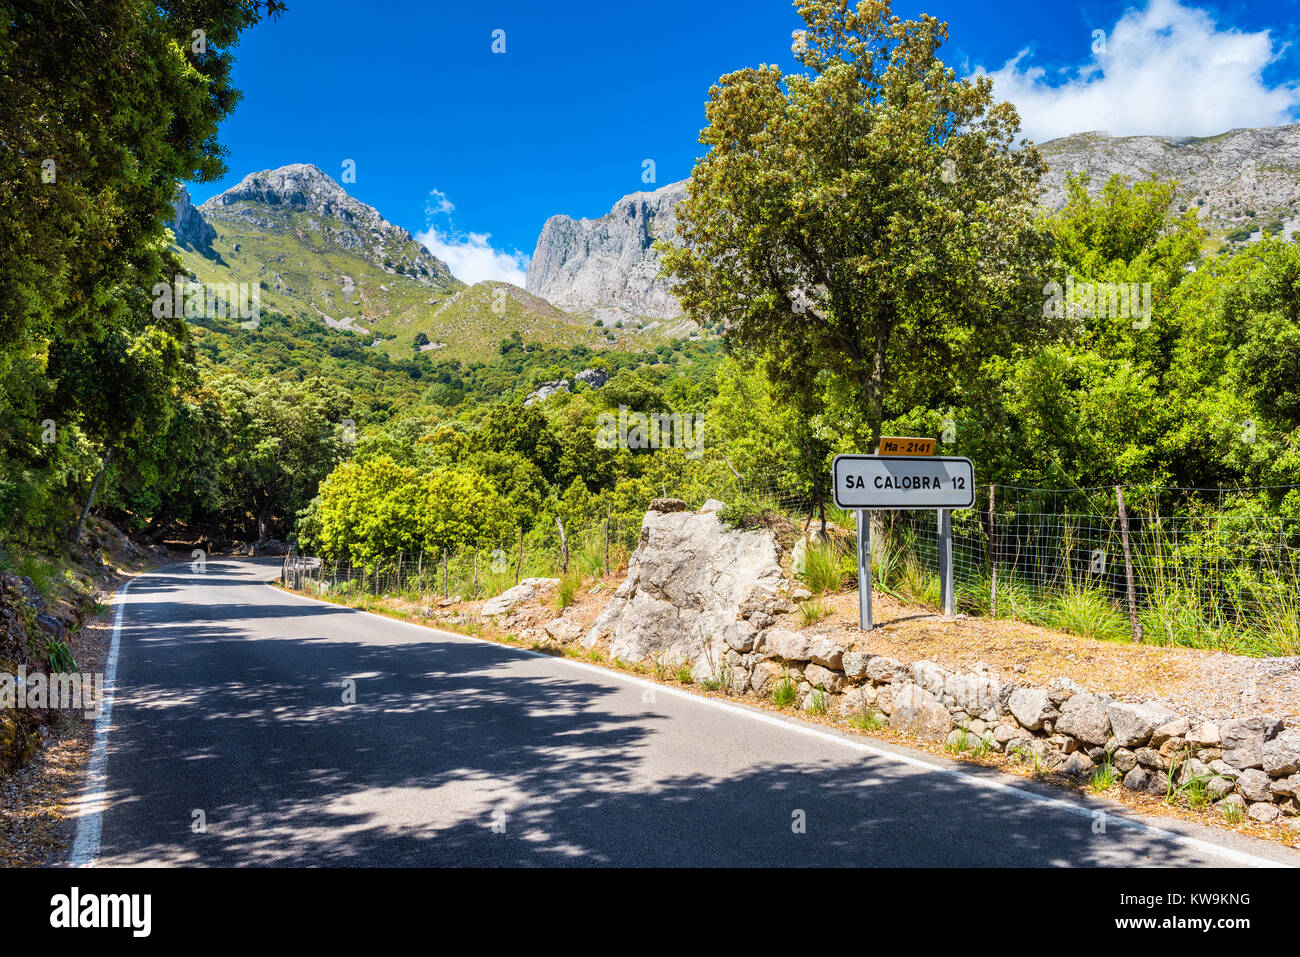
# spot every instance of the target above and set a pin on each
(472, 150)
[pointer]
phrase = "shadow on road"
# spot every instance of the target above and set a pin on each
(235, 709)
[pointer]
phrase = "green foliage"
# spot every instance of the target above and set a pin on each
(878, 273)
(818, 702)
(785, 692)
(59, 657)
(812, 611)
(567, 592)
(827, 565)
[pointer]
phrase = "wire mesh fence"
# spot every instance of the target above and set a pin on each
(1201, 579)
(1205, 580)
(467, 573)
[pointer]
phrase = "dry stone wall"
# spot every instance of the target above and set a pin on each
(700, 592)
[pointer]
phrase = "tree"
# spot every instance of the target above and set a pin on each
(285, 438)
(864, 221)
(103, 107)
(120, 387)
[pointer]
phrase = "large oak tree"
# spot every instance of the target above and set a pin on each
(868, 225)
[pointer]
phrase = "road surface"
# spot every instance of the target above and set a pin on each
(230, 743)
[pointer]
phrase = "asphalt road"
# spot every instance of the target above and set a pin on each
(460, 752)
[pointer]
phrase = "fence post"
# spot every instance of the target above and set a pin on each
(607, 543)
(1128, 566)
(564, 546)
(419, 574)
(993, 555)
(446, 586)
(475, 574)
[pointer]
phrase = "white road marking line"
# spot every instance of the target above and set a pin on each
(90, 820)
(1241, 857)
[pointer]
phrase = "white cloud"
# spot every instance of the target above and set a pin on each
(471, 256)
(438, 203)
(1167, 69)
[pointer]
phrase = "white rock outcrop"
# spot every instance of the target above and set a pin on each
(609, 263)
(685, 585)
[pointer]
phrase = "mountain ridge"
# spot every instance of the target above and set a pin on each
(577, 260)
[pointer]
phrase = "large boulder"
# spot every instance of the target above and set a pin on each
(685, 585)
(1282, 754)
(974, 693)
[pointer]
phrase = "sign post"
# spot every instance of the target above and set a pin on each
(945, 562)
(897, 482)
(864, 570)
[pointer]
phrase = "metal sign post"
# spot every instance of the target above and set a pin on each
(895, 482)
(864, 569)
(945, 562)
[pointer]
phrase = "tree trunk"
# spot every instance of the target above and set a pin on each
(90, 499)
(158, 531)
(263, 521)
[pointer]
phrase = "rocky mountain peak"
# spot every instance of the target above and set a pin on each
(608, 265)
(189, 227)
(1240, 181)
(303, 199)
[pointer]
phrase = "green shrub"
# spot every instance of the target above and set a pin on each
(567, 591)
(784, 692)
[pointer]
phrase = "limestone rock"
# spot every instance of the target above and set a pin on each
(973, 693)
(1083, 716)
(1218, 787)
(1137, 778)
(819, 676)
(881, 669)
(855, 663)
(1059, 690)
(856, 701)
(790, 645)
(1223, 769)
(764, 676)
(929, 676)
(1124, 760)
(1204, 735)
(1263, 812)
(1175, 728)
(1132, 724)
(505, 602)
(1244, 739)
(1285, 787)
(1031, 707)
(918, 712)
(1078, 765)
(1151, 758)
(189, 227)
(685, 585)
(739, 636)
(1253, 785)
(610, 263)
(1282, 754)
(562, 629)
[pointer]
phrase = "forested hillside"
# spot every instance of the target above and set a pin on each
(911, 284)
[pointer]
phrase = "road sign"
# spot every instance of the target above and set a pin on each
(901, 445)
(903, 481)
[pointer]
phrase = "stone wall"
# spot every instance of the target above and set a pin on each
(699, 592)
